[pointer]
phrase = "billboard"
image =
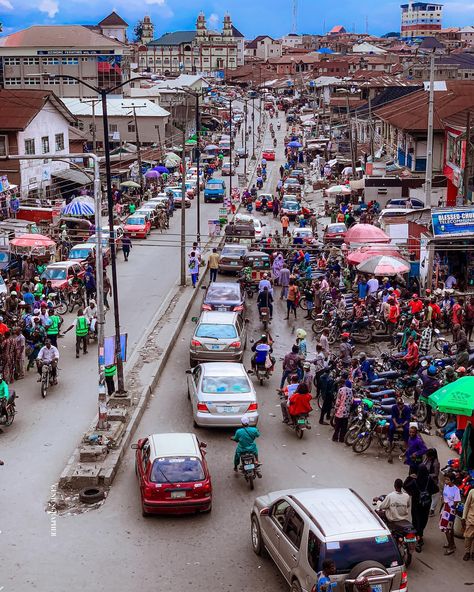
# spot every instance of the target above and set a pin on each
(455, 222)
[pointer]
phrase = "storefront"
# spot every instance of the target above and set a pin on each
(452, 247)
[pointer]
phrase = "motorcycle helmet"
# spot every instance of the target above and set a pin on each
(300, 333)
(362, 356)
(449, 370)
(13, 293)
(244, 420)
(432, 371)
(345, 335)
(306, 366)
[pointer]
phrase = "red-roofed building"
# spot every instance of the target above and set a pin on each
(337, 30)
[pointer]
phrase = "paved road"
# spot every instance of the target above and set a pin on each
(114, 548)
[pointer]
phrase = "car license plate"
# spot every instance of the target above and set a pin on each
(234, 262)
(216, 347)
(181, 494)
(222, 309)
(249, 467)
(377, 588)
(301, 421)
(227, 409)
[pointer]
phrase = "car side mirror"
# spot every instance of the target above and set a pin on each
(265, 512)
(188, 371)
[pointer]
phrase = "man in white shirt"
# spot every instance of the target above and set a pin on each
(372, 286)
(450, 282)
(48, 354)
(265, 283)
(397, 504)
(324, 342)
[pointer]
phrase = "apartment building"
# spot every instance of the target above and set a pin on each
(420, 19)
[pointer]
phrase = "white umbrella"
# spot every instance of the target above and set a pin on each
(384, 265)
(338, 189)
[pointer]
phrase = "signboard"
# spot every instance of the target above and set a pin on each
(109, 347)
(453, 222)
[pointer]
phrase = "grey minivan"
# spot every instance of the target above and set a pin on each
(218, 337)
(300, 528)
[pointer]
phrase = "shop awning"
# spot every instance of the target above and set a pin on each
(74, 176)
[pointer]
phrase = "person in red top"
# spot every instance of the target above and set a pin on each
(3, 328)
(415, 304)
(435, 311)
(393, 315)
(457, 314)
(412, 355)
(300, 402)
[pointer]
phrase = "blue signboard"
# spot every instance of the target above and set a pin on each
(458, 222)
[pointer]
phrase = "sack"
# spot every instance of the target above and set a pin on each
(425, 499)
(268, 363)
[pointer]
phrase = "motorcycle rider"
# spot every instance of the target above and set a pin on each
(245, 438)
(4, 396)
(90, 312)
(262, 350)
(366, 368)
(396, 504)
(48, 354)
(299, 403)
(399, 420)
(265, 300)
(430, 385)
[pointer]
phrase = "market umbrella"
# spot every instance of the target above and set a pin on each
(32, 241)
(161, 169)
(211, 147)
(152, 174)
(365, 234)
(79, 207)
(294, 144)
(364, 253)
(383, 265)
(172, 156)
(130, 184)
(338, 189)
(456, 397)
(191, 142)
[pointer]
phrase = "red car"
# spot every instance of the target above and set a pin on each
(173, 475)
(258, 201)
(335, 233)
(137, 226)
(268, 154)
(61, 272)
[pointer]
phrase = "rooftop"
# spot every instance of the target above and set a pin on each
(113, 20)
(175, 38)
(19, 107)
(115, 107)
(62, 36)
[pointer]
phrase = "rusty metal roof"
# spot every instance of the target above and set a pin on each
(19, 107)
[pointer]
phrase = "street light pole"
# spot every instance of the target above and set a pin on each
(183, 212)
(198, 181)
(231, 147)
(253, 129)
(429, 143)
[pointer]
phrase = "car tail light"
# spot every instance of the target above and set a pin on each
(404, 581)
(148, 492)
(253, 407)
(196, 343)
(206, 307)
(202, 407)
(238, 308)
(235, 344)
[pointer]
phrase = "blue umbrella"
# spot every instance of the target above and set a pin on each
(78, 207)
(161, 169)
(294, 144)
(152, 174)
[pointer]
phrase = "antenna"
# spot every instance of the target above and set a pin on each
(295, 17)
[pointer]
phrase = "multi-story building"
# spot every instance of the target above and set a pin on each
(263, 47)
(420, 19)
(193, 52)
(467, 35)
(74, 50)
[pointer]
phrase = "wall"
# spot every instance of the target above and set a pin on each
(148, 132)
(36, 173)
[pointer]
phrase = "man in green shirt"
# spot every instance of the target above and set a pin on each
(52, 330)
(245, 438)
(81, 323)
(4, 395)
(132, 208)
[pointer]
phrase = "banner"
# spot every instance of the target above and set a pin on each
(457, 222)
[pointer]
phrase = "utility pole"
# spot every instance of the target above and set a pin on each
(467, 157)
(183, 211)
(137, 141)
(253, 129)
(371, 131)
(429, 143)
(351, 141)
(93, 103)
(231, 148)
(198, 158)
(245, 139)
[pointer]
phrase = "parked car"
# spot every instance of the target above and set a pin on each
(220, 393)
(60, 273)
(178, 200)
(304, 233)
(258, 201)
(227, 169)
(301, 528)
(416, 204)
(218, 337)
(241, 152)
(81, 251)
(172, 474)
(335, 233)
(268, 154)
(214, 190)
(232, 258)
(151, 211)
(224, 296)
(290, 208)
(137, 226)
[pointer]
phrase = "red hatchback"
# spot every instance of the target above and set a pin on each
(173, 474)
(268, 154)
(137, 226)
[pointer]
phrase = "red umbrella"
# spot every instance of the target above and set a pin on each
(364, 253)
(366, 234)
(32, 241)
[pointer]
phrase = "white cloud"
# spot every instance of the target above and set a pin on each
(6, 4)
(159, 2)
(213, 19)
(50, 7)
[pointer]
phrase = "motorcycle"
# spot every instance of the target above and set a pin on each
(58, 301)
(298, 423)
(75, 298)
(264, 176)
(46, 373)
(376, 427)
(264, 210)
(275, 142)
(249, 469)
(403, 533)
(264, 313)
(8, 416)
(262, 373)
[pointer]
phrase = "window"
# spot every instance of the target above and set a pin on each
(314, 547)
(11, 61)
(31, 61)
(182, 469)
(131, 128)
(30, 147)
(31, 81)
(69, 81)
(294, 529)
(59, 141)
(12, 81)
(280, 511)
(49, 81)
(45, 144)
(70, 61)
(3, 145)
(113, 127)
(347, 554)
(51, 61)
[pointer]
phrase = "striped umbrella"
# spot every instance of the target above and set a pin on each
(79, 207)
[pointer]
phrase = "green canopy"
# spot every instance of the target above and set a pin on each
(191, 142)
(456, 398)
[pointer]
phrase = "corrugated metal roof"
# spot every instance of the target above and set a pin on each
(61, 36)
(113, 20)
(19, 107)
(175, 38)
(116, 108)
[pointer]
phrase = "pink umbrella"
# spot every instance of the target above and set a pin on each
(32, 241)
(152, 174)
(383, 265)
(366, 234)
(364, 253)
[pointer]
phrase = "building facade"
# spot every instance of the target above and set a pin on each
(26, 57)
(264, 48)
(192, 52)
(420, 19)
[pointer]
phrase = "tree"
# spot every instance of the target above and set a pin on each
(138, 31)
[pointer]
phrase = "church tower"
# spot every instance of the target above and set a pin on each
(201, 28)
(148, 30)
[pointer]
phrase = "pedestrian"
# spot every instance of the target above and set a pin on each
(420, 487)
(126, 245)
(323, 583)
(327, 389)
(193, 267)
(285, 222)
(451, 499)
(432, 464)
(107, 290)
(284, 281)
(344, 400)
(345, 350)
(89, 284)
(416, 448)
(81, 324)
(468, 526)
(292, 299)
(109, 372)
(291, 364)
(468, 317)
(308, 376)
(19, 353)
(324, 342)
(8, 357)
(277, 266)
(213, 264)
(425, 340)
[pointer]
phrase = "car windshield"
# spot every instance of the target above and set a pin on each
(3, 256)
(182, 469)
(213, 186)
(104, 240)
(54, 273)
(216, 331)
(222, 293)
(225, 385)
(348, 554)
(136, 221)
(291, 205)
(233, 252)
(79, 253)
(337, 228)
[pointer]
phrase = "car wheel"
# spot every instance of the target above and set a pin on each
(256, 534)
(145, 514)
(295, 586)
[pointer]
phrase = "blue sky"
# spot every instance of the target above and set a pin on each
(251, 17)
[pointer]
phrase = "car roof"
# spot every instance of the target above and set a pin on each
(174, 444)
(218, 318)
(223, 369)
(394, 211)
(228, 286)
(61, 264)
(335, 224)
(84, 246)
(339, 513)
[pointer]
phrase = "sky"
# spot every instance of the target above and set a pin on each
(251, 17)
